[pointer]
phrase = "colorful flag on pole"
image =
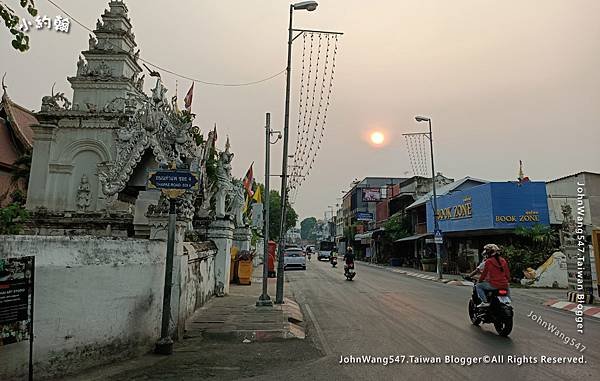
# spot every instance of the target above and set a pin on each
(188, 98)
(257, 196)
(248, 180)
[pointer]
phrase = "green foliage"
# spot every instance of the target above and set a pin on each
(520, 258)
(307, 227)
(533, 247)
(397, 227)
(11, 22)
(275, 215)
(12, 217)
(23, 168)
(211, 167)
(539, 237)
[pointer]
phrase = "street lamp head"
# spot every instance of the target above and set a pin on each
(422, 119)
(306, 5)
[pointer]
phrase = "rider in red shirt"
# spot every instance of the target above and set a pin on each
(495, 275)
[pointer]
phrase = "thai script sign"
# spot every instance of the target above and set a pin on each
(16, 299)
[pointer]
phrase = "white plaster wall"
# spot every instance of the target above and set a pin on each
(100, 299)
(95, 298)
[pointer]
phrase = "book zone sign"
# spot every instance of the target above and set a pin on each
(464, 210)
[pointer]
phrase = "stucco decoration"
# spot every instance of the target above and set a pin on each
(83, 194)
(236, 207)
(149, 123)
(224, 185)
(82, 67)
(55, 102)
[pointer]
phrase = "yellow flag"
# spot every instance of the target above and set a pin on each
(257, 196)
(246, 204)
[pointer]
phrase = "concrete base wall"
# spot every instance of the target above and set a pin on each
(97, 300)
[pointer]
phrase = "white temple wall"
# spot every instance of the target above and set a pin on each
(100, 299)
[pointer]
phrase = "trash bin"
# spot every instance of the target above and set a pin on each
(245, 267)
(272, 256)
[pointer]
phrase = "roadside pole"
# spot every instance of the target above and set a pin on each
(173, 183)
(264, 300)
(164, 345)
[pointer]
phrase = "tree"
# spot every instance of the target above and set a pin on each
(307, 227)
(11, 22)
(397, 227)
(22, 169)
(13, 215)
(275, 215)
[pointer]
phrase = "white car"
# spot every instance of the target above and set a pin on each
(294, 257)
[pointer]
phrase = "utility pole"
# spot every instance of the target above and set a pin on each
(264, 299)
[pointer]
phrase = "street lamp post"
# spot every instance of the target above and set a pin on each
(435, 220)
(308, 6)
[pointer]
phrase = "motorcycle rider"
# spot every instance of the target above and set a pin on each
(348, 258)
(495, 275)
(333, 255)
(487, 250)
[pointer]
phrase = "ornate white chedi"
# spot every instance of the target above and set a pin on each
(97, 151)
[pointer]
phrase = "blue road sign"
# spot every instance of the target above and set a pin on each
(438, 238)
(364, 216)
(173, 180)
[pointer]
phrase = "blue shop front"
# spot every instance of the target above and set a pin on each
(487, 213)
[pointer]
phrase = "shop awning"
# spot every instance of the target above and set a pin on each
(412, 237)
(367, 235)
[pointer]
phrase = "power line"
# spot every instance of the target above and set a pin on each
(170, 71)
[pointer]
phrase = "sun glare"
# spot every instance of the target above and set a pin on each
(377, 138)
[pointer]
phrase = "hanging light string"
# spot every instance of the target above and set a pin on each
(188, 77)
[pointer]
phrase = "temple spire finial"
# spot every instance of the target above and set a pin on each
(3, 86)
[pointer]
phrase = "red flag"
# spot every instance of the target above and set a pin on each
(248, 180)
(188, 98)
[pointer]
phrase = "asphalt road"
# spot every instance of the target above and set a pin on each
(382, 313)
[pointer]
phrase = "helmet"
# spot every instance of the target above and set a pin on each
(491, 248)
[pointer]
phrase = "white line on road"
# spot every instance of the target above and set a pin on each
(320, 334)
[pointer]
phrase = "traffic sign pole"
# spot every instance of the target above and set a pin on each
(164, 345)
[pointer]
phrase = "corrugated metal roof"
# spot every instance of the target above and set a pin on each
(445, 189)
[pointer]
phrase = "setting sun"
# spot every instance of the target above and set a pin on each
(377, 138)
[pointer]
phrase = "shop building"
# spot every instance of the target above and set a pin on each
(489, 213)
(412, 250)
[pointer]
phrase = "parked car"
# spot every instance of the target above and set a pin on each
(294, 257)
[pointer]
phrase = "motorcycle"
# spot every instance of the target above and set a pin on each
(349, 271)
(333, 261)
(500, 312)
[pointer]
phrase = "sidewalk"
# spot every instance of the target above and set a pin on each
(236, 316)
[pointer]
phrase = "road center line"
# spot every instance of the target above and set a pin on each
(320, 334)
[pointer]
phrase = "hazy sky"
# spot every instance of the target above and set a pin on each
(501, 80)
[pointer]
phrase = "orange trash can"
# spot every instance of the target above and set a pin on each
(245, 267)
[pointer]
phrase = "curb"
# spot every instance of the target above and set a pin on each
(589, 311)
(423, 276)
